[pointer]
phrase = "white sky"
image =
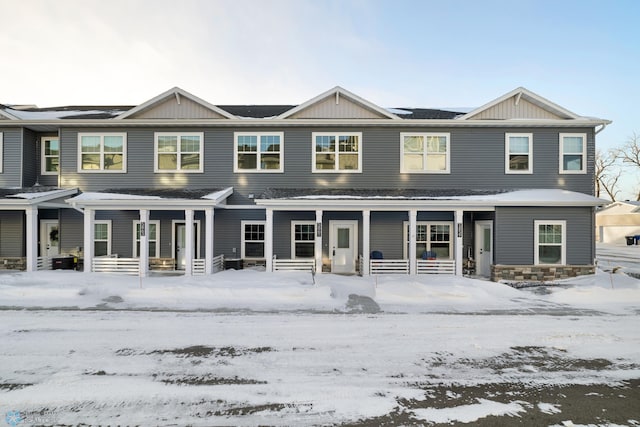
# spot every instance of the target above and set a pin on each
(582, 54)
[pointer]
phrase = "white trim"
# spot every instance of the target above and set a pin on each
(424, 152)
(178, 152)
(101, 135)
(1, 153)
(477, 247)
(583, 153)
(109, 237)
(43, 156)
(45, 239)
(333, 224)
(336, 152)
(258, 152)
(507, 152)
(294, 241)
(405, 239)
(563, 244)
(135, 238)
(243, 241)
(174, 224)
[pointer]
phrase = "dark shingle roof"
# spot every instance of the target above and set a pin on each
(256, 111)
(6, 192)
(290, 193)
(426, 113)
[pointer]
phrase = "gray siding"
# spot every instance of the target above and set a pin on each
(30, 164)
(386, 233)
(11, 175)
(228, 229)
(12, 234)
(514, 234)
(71, 231)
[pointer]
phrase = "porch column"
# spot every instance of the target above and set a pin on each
(89, 234)
(144, 243)
(366, 250)
(413, 216)
(459, 241)
(268, 239)
(32, 238)
(208, 248)
(317, 251)
(189, 242)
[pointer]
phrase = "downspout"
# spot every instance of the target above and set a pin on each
(604, 125)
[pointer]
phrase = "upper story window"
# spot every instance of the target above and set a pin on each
(573, 153)
(424, 152)
(102, 152)
(518, 153)
(550, 242)
(337, 152)
(258, 152)
(178, 152)
(50, 155)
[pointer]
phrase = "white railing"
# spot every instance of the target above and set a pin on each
(197, 267)
(218, 264)
(44, 263)
(293, 264)
(389, 266)
(113, 264)
(436, 266)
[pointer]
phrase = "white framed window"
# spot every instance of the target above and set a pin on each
(153, 232)
(573, 153)
(102, 238)
(102, 152)
(303, 238)
(258, 152)
(1, 153)
(550, 242)
(424, 152)
(337, 152)
(433, 237)
(518, 150)
(252, 239)
(50, 155)
(178, 152)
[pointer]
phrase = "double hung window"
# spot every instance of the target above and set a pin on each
(252, 239)
(102, 152)
(518, 153)
(50, 155)
(434, 237)
(303, 237)
(258, 152)
(179, 152)
(337, 152)
(550, 242)
(424, 152)
(102, 238)
(573, 153)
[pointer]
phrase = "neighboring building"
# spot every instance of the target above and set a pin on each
(337, 184)
(617, 221)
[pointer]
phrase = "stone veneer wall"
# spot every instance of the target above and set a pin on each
(539, 273)
(13, 263)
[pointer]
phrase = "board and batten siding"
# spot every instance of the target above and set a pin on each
(515, 235)
(11, 175)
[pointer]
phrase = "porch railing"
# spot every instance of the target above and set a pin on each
(114, 264)
(218, 263)
(436, 266)
(389, 266)
(44, 263)
(197, 267)
(293, 264)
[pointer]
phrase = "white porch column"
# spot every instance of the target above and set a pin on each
(189, 242)
(144, 243)
(459, 240)
(89, 234)
(268, 239)
(32, 238)
(366, 246)
(208, 248)
(318, 242)
(413, 215)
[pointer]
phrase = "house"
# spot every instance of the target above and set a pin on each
(504, 191)
(618, 220)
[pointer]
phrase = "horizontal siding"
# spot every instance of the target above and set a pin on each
(12, 234)
(71, 231)
(228, 229)
(386, 233)
(30, 163)
(11, 175)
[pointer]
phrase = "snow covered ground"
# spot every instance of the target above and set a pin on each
(252, 348)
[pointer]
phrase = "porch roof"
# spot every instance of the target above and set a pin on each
(147, 198)
(40, 196)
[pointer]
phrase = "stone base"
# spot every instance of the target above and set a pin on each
(539, 273)
(13, 263)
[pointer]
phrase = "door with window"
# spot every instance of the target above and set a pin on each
(343, 246)
(180, 244)
(49, 238)
(484, 247)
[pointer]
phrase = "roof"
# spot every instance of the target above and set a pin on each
(19, 198)
(165, 198)
(358, 194)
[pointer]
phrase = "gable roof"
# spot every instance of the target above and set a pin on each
(520, 103)
(174, 97)
(328, 105)
(5, 115)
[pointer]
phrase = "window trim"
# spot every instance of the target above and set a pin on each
(178, 152)
(109, 237)
(425, 155)
(584, 154)
(405, 231)
(1, 153)
(336, 169)
(43, 156)
(136, 240)
(243, 241)
(259, 152)
(294, 241)
(102, 135)
(507, 141)
(536, 245)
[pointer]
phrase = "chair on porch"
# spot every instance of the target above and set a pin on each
(376, 255)
(428, 255)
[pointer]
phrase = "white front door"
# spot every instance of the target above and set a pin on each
(484, 247)
(49, 238)
(180, 243)
(342, 242)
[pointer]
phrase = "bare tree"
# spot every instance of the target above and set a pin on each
(607, 174)
(630, 153)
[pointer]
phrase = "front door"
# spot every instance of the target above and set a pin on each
(180, 239)
(49, 238)
(484, 247)
(342, 242)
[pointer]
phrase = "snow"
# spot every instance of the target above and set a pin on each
(54, 115)
(469, 413)
(36, 195)
(90, 196)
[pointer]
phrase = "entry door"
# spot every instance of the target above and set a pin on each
(49, 238)
(484, 247)
(343, 241)
(181, 243)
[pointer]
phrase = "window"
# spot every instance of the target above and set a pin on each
(154, 238)
(258, 152)
(253, 239)
(100, 152)
(424, 152)
(1, 154)
(550, 238)
(303, 237)
(573, 153)
(50, 155)
(102, 238)
(430, 237)
(178, 152)
(518, 153)
(337, 152)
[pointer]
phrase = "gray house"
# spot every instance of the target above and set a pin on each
(336, 184)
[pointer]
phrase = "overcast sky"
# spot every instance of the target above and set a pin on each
(583, 55)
